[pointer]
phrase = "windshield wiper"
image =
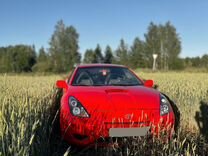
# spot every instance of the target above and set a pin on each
(107, 85)
(81, 85)
(99, 85)
(123, 84)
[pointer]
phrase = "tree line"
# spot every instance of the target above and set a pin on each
(63, 52)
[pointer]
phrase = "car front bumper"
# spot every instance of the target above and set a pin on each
(84, 131)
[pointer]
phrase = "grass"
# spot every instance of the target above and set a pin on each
(26, 117)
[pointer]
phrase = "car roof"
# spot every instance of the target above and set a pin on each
(99, 65)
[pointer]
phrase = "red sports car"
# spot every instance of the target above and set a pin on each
(106, 100)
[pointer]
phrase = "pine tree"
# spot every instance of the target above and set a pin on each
(122, 53)
(88, 56)
(98, 57)
(108, 55)
(137, 56)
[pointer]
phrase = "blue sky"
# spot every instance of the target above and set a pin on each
(104, 22)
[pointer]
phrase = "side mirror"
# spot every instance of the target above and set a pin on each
(62, 84)
(149, 83)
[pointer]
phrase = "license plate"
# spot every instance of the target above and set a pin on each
(128, 132)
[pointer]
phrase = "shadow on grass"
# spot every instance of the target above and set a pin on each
(58, 146)
(202, 119)
(47, 139)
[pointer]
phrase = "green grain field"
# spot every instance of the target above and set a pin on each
(26, 120)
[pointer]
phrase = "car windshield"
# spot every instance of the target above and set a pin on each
(105, 76)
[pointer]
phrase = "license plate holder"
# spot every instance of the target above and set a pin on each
(128, 132)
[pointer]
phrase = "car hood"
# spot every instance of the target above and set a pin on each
(115, 98)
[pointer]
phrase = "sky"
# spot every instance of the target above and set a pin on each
(104, 22)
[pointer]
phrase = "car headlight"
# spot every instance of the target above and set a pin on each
(164, 105)
(76, 108)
